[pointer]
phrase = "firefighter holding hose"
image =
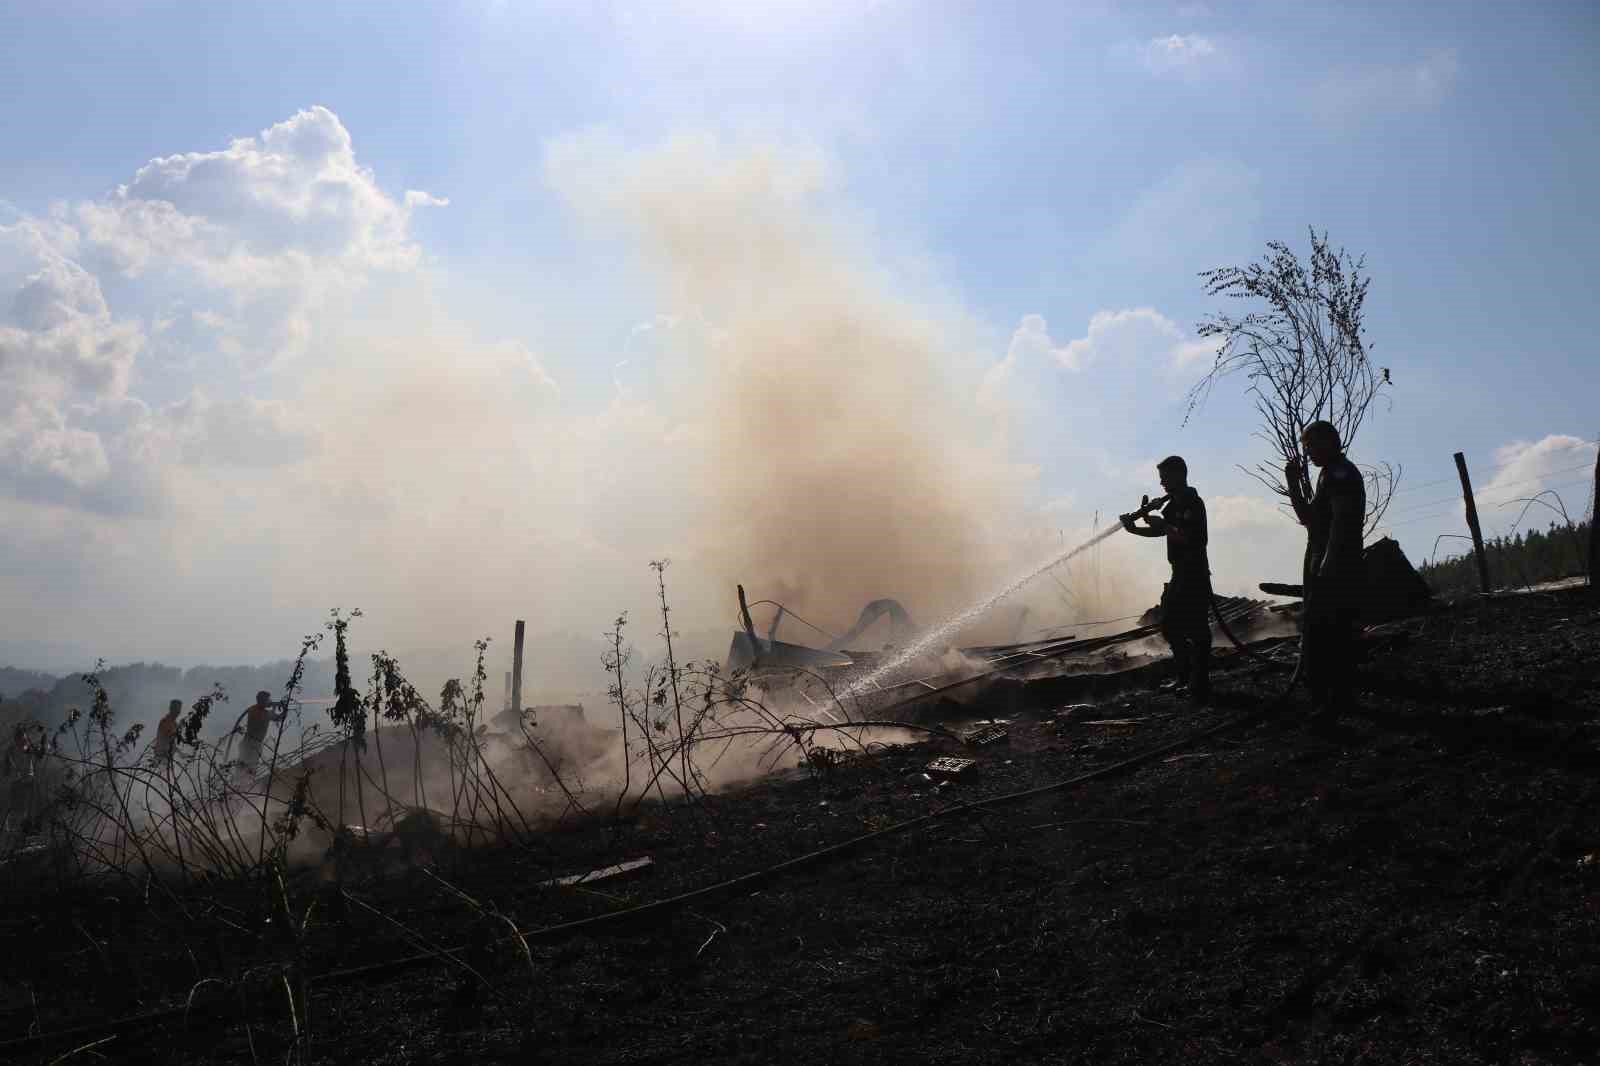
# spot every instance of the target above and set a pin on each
(1187, 597)
(260, 714)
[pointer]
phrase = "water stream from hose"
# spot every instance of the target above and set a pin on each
(937, 637)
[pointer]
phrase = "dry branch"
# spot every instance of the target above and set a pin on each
(1303, 351)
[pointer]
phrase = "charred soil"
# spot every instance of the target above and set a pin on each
(1418, 882)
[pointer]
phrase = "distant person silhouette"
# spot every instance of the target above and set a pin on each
(1186, 598)
(1333, 574)
(257, 717)
(19, 760)
(21, 766)
(167, 732)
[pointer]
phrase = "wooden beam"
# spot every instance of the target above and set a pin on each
(631, 868)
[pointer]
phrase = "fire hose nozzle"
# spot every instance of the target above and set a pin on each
(1145, 507)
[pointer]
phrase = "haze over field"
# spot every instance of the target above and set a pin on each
(477, 320)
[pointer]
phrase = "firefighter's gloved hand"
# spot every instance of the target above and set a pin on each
(1127, 522)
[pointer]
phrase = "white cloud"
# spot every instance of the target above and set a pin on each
(43, 449)
(416, 198)
(1140, 339)
(58, 339)
(280, 224)
(61, 351)
(1031, 339)
(1350, 96)
(295, 187)
(1135, 334)
(1528, 467)
(1191, 351)
(1178, 52)
(1241, 513)
(255, 239)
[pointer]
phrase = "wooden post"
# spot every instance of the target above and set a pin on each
(1472, 522)
(1594, 527)
(516, 671)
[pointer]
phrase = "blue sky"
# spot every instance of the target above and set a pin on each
(979, 163)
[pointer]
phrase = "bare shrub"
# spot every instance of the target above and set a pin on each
(1304, 352)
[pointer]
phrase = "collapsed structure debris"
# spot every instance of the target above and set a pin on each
(1391, 587)
(418, 836)
(1034, 673)
(951, 765)
(512, 721)
(901, 628)
(985, 735)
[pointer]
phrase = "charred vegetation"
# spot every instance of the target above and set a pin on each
(1416, 880)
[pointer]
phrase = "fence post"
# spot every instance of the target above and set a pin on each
(1594, 526)
(516, 672)
(1472, 522)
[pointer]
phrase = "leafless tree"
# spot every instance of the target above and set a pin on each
(1303, 349)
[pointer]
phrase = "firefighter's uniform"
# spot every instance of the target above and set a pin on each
(1186, 599)
(1332, 604)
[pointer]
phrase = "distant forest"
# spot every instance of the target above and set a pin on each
(1524, 559)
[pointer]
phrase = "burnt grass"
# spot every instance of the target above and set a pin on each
(1416, 883)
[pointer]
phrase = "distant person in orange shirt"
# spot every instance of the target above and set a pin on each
(257, 717)
(167, 733)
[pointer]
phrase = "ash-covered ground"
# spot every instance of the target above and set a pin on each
(1419, 883)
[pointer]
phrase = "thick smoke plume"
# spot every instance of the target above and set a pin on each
(838, 458)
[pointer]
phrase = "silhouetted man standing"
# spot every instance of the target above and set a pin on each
(1334, 573)
(1187, 597)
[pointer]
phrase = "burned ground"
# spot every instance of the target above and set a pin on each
(1419, 883)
